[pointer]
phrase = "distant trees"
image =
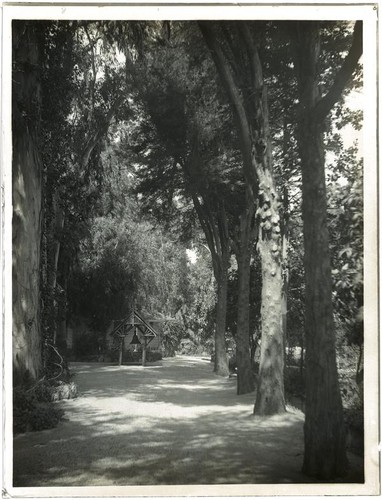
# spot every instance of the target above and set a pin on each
(125, 262)
(179, 166)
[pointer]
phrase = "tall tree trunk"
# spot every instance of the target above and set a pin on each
(26, 192)
(325, 453)
(221, 361)
(284, 267)
(251, 116)
(245, 382)
(214, 224)
(52, 225)
(270, 392)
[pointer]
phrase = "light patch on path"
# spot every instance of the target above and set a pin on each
(174, 422)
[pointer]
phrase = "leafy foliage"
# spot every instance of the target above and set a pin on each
(30, 414)
(345, 199)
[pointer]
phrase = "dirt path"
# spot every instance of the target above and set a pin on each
(172, 423)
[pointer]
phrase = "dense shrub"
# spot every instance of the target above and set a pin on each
(351, 399)
(350, 391)
(33, 405)
(45, 416)
(136, 356)
(153, 356)
(29, 414)
(188, 347)
(54, 390)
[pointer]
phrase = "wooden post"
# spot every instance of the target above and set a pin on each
(121, 351)
(144, 351)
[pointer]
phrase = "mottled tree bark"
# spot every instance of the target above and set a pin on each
(270, 392)
(251, 116)
(26, 192)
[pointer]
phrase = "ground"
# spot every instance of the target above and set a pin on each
(172, 422)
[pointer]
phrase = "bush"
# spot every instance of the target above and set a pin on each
(55, 390)
(132, 356)
(136, 356)
(33, 405)
(350, 391)
(64, 390)
(29, 414)
(152, 356)
(45, 416)
(188, 347)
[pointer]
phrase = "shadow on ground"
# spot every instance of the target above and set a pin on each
(170, 423)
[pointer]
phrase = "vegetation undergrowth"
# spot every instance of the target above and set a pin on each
(351, 393)
(34, 406)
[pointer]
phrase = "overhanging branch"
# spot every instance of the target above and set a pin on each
(346, 71)
(227, 78)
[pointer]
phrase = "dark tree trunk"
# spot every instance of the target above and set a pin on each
(52, 226)
(213, 220)
(26, 192)
(245, 382)
(221, 360)
(284, 268)
(325, 454)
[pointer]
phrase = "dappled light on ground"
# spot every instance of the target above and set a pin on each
(171, 423)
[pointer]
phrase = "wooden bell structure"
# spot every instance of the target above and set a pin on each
(134, 322)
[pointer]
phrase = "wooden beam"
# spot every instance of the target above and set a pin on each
(144, 347)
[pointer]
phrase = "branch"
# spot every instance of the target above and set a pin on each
(205, 223)
(203, 215)
(346, 71)
(231, 51)
(92, 142)
(253, 56)
(92, 84)
(235, 98)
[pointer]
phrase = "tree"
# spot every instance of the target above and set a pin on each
(81, 72)
(56, 134)
(243, 246)
(178, 165)
(60, 64)
(237, 60)
(324, 454)
(125, 260)
(26, 191)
